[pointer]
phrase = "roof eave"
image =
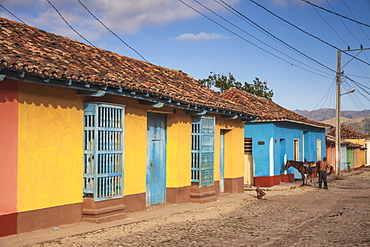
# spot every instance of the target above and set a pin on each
(98, 90)
(292, 121)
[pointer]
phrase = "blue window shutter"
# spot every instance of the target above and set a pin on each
(103, 151)
(202, 154)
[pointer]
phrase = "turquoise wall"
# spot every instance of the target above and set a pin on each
(283, 134)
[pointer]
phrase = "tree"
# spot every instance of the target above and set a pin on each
(223, 83)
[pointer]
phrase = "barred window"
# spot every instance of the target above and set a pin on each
(248, 146)
(202, 150)
(103, 151)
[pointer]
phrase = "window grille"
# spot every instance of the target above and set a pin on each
(248, 146)
(202, 150)
(103, 151)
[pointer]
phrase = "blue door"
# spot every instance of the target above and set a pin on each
(156, 159)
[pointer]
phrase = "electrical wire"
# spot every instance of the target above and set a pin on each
(61, 16)
(112, 31)
(360, 89)
(365, 77)
(345, 17)
(338, 34)
(270, 34)
(12, 14)
(344, 24)
(325, 97)
(237, 35)
(329, 25)
(347, 86)
(313, 36)
(355, 18)
(255, 37)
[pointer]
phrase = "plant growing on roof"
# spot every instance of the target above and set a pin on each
(223, 82)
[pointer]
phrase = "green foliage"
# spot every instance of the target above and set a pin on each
(223, 83)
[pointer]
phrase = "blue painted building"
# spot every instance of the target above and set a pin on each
(273, 143)
(276, 136)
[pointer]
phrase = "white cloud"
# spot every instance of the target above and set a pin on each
(201, 36)
(288, 3)
(121, 16)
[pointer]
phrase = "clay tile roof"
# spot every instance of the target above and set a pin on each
(347, 132)
(33, 50)
(266, 109)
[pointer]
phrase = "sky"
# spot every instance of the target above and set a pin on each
(290, 44)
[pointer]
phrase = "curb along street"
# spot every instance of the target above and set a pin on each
(58, 232)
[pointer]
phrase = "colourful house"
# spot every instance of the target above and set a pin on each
(90, 135)
(354, 148)
(276, 136)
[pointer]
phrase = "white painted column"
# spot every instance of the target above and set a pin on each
(271, 156)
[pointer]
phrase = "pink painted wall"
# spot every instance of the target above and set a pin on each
(8, 145)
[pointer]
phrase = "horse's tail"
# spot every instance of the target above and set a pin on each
(331, 170)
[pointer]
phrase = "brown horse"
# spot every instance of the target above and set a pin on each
(307, 169)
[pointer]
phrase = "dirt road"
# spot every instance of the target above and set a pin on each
(302, 216)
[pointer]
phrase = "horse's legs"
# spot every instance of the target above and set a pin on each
(303, 177)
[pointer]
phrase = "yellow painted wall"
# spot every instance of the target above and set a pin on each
(234, 147)
(50, 147)
(178, 149)
(135, 148)
(248, 169)
(357, 141)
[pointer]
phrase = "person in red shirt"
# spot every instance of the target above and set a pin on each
(323, 165)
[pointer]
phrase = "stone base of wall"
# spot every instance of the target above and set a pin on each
(202, 195)
(178, 195)
(102, 211)
(8, 224)
(48, 217)
(134, 203)
(273, 180)
(234, 185)
(287, 178)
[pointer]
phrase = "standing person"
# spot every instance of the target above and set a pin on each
(323, 165)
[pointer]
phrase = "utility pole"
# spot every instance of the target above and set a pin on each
(338, 95)
(337, 124)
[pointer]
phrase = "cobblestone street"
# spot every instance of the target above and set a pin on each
(299, 216)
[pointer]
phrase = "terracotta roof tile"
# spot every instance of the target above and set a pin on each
(347, 133)
(40, 52)
(266, 109)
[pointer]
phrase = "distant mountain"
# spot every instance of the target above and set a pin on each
(359, 120)
(328, 113)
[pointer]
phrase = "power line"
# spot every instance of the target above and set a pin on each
(237, 35)
(346, 27)
(12, 14)
(325, 97)
(112, 31)
(254, 36)
(354, 97)
(300, 29)
(270, 34)
(361, 89)
(344, 23)
(339, 36)
(365, 77)
(329, 25)
(61, 16)
(345, 17)
(355, 18)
